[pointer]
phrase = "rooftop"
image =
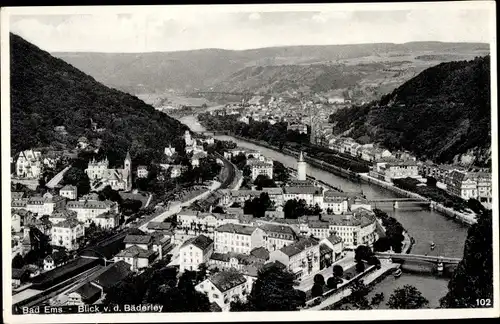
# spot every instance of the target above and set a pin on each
(226, 280)
(135, 252)
(303, 190)
(201, 241)
(236, 228)
(299, 246)
(137, 239)
(113, 274)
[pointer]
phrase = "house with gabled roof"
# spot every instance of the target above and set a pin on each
(302, 258)
(194, 252)
(224, 287)
(138, 258)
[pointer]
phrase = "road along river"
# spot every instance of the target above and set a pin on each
(424, 225)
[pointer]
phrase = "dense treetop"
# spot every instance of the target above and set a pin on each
(47, 92)
(443, 112)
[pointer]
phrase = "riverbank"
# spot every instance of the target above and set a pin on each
(450, 213)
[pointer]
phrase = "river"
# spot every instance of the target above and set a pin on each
(424, 225)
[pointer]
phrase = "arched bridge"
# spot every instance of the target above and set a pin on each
(396, 201)
(417, 257)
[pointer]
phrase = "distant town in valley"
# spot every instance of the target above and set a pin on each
(352, 181)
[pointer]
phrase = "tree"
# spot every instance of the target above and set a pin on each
(319, 279)
(362, 252)
(17, 262)
(77, 177)
(407, 297)
(317, 290)
(360, 266)
(377, 299)
(294, 208)
(431, 182)
(130, 206)
(383, 244)
(263, 181)
(108, 193)
(218, 210)
(358, 295)
(338, 271)
(274, 291)
(332, 282)
(473, 278)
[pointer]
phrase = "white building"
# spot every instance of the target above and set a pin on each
(67, 233)
(29, 164)
(109, 220)
(69, 191)
(261, 168)
(311, 194)
(302, 258)
(88, 210)
(238, 238)
(137, 257)
(118, 179)
(387, 171)
(195, 251)
(45, 205)
(224, 287)
(142, 171)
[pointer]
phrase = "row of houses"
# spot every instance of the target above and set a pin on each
(238, 271)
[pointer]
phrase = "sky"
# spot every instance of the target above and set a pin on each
(176, 29)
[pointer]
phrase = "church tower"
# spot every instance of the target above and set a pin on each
(301, 168)
(127, 166)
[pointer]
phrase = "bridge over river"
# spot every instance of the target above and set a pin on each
(396, 202)
(418, 257)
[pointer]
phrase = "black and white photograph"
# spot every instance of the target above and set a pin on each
(283, 161)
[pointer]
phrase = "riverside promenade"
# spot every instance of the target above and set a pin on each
(344, 291)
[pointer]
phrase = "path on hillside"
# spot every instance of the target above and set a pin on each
(57, 178)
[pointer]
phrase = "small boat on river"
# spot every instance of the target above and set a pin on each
(433, 245)
(398, 273)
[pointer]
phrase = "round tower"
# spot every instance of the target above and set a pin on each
(301, 167)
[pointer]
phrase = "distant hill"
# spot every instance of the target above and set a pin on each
(443, 114)
(47, 92)
(265, 69)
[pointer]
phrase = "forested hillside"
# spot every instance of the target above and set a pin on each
(442, 114)
(271, 69)
(47, 92)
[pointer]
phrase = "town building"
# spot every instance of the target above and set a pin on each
(67, 234)
(45, 205)
(238, 238)
(169, 151)
(108, 220)
(69, 191)
(335, 243)
(55, 260)
(88, 210)
(137, 257)
(142, 171)
(118, 179)
(258, 168)
(29, 164)
(143, 241)
(194, 252)
(300, 128)
(224, 287)
(302, 258)
(335, 202)
(388, 171)
(62, 215)
(311, 194)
